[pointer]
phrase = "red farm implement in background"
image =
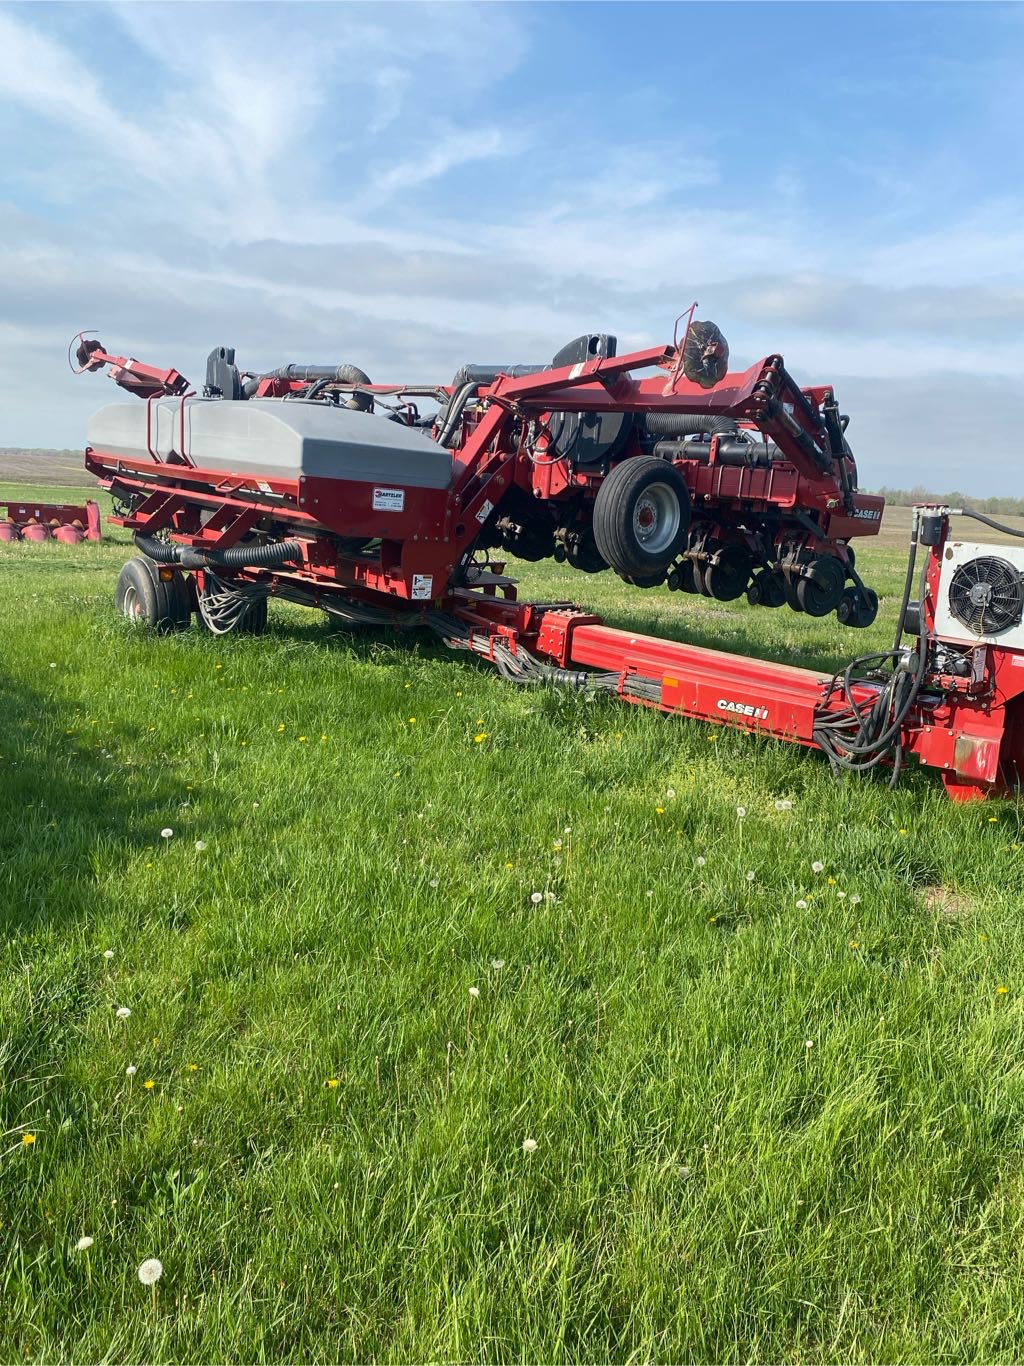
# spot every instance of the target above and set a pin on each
(65, 522)
(315, 486)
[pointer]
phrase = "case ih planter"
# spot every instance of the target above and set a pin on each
(316, 486)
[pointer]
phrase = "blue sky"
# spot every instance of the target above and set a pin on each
(410, 187)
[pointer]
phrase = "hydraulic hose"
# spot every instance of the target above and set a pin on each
(688, 424)
(259, 556)
(332, 374)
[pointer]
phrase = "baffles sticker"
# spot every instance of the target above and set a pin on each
(389, 500)
(423, 585)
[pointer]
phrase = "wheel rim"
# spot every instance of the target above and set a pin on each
(656, 518)
(131, 606)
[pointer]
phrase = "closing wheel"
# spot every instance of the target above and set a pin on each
(726, 576)
(857, 608)
(161, 604)
(582, 553)
(641, 516)
(821, 588)
(767, 589)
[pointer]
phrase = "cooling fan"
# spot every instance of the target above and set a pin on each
(981, 595)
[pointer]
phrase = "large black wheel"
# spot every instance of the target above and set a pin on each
(821, 588)
(143, 595)
(642, 516)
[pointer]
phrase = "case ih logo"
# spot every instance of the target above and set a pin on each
(866, 514)
(743, 709)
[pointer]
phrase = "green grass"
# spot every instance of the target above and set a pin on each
(763, 1132)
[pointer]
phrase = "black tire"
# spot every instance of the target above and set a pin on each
(142, 595)
(767, 589)
(856, 608)
(582, 553)
(820, 591)
(642, 516)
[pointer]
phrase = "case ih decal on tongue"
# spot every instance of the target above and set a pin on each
(742, 709)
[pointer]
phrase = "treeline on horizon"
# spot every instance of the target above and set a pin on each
(1009, 507)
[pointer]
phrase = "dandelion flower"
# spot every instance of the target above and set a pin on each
(784, 804)
(84, 1244)
(741, 811)
(108, 954)
(701, 860)
(529, 1145)
(497, 964)
(151, 1270)
(903, 830)
(166, 833)
(122, 1012)
(855, 899)
(200, 846)
(550, 896)
(149, 1083)
(557, 845)
(670, 792)
(474, 992)
(479, 739)
(808, 1043)
(536, 897)
(1001, 990)
(435, 882)
(130, 1070)
(659, 811)
(332, 1083)
(28, 1139)
(801, 905)
(841, 895)
(567, 830)
(817, 866)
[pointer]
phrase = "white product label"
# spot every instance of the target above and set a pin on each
(423, 585)
(263, 486)
(389, 500)
(485, 512)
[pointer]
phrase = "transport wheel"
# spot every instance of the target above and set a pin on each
(641, 516)
(767, 589)
(643, 580)
(143, 596)
(819, 591)
(727, 576)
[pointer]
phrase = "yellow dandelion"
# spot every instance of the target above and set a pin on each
(193, 1067)
(983, 938)
(854, 944)
(302, 739)
(1001, 990)
(659, 811)
(479, 739)
(28, 1139)
(412, 720)
(280, 728)
(323, 737)
(509, 865)
(831, 882)
(149, 1083)
(333, 1083)
(992, 820)
(904, 830)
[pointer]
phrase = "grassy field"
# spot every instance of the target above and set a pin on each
(412, 922)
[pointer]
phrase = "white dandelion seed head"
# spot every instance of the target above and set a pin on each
(108, 954)
(200, 846)
(84, 1244)
(122, 1012)
(435, 882)
(817, 866)
(750, 876)
(474, 992)
(529, 1145)
(166, 833)
(701, 860)
(801, 905)
(670, 792)
(808, 1043)
(497, 964)
(841, 896)
(550, 896)
(130, 1070)
(151, 1270)
(536, 897)
(855, 899)
(741, 811)
(784, 804)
